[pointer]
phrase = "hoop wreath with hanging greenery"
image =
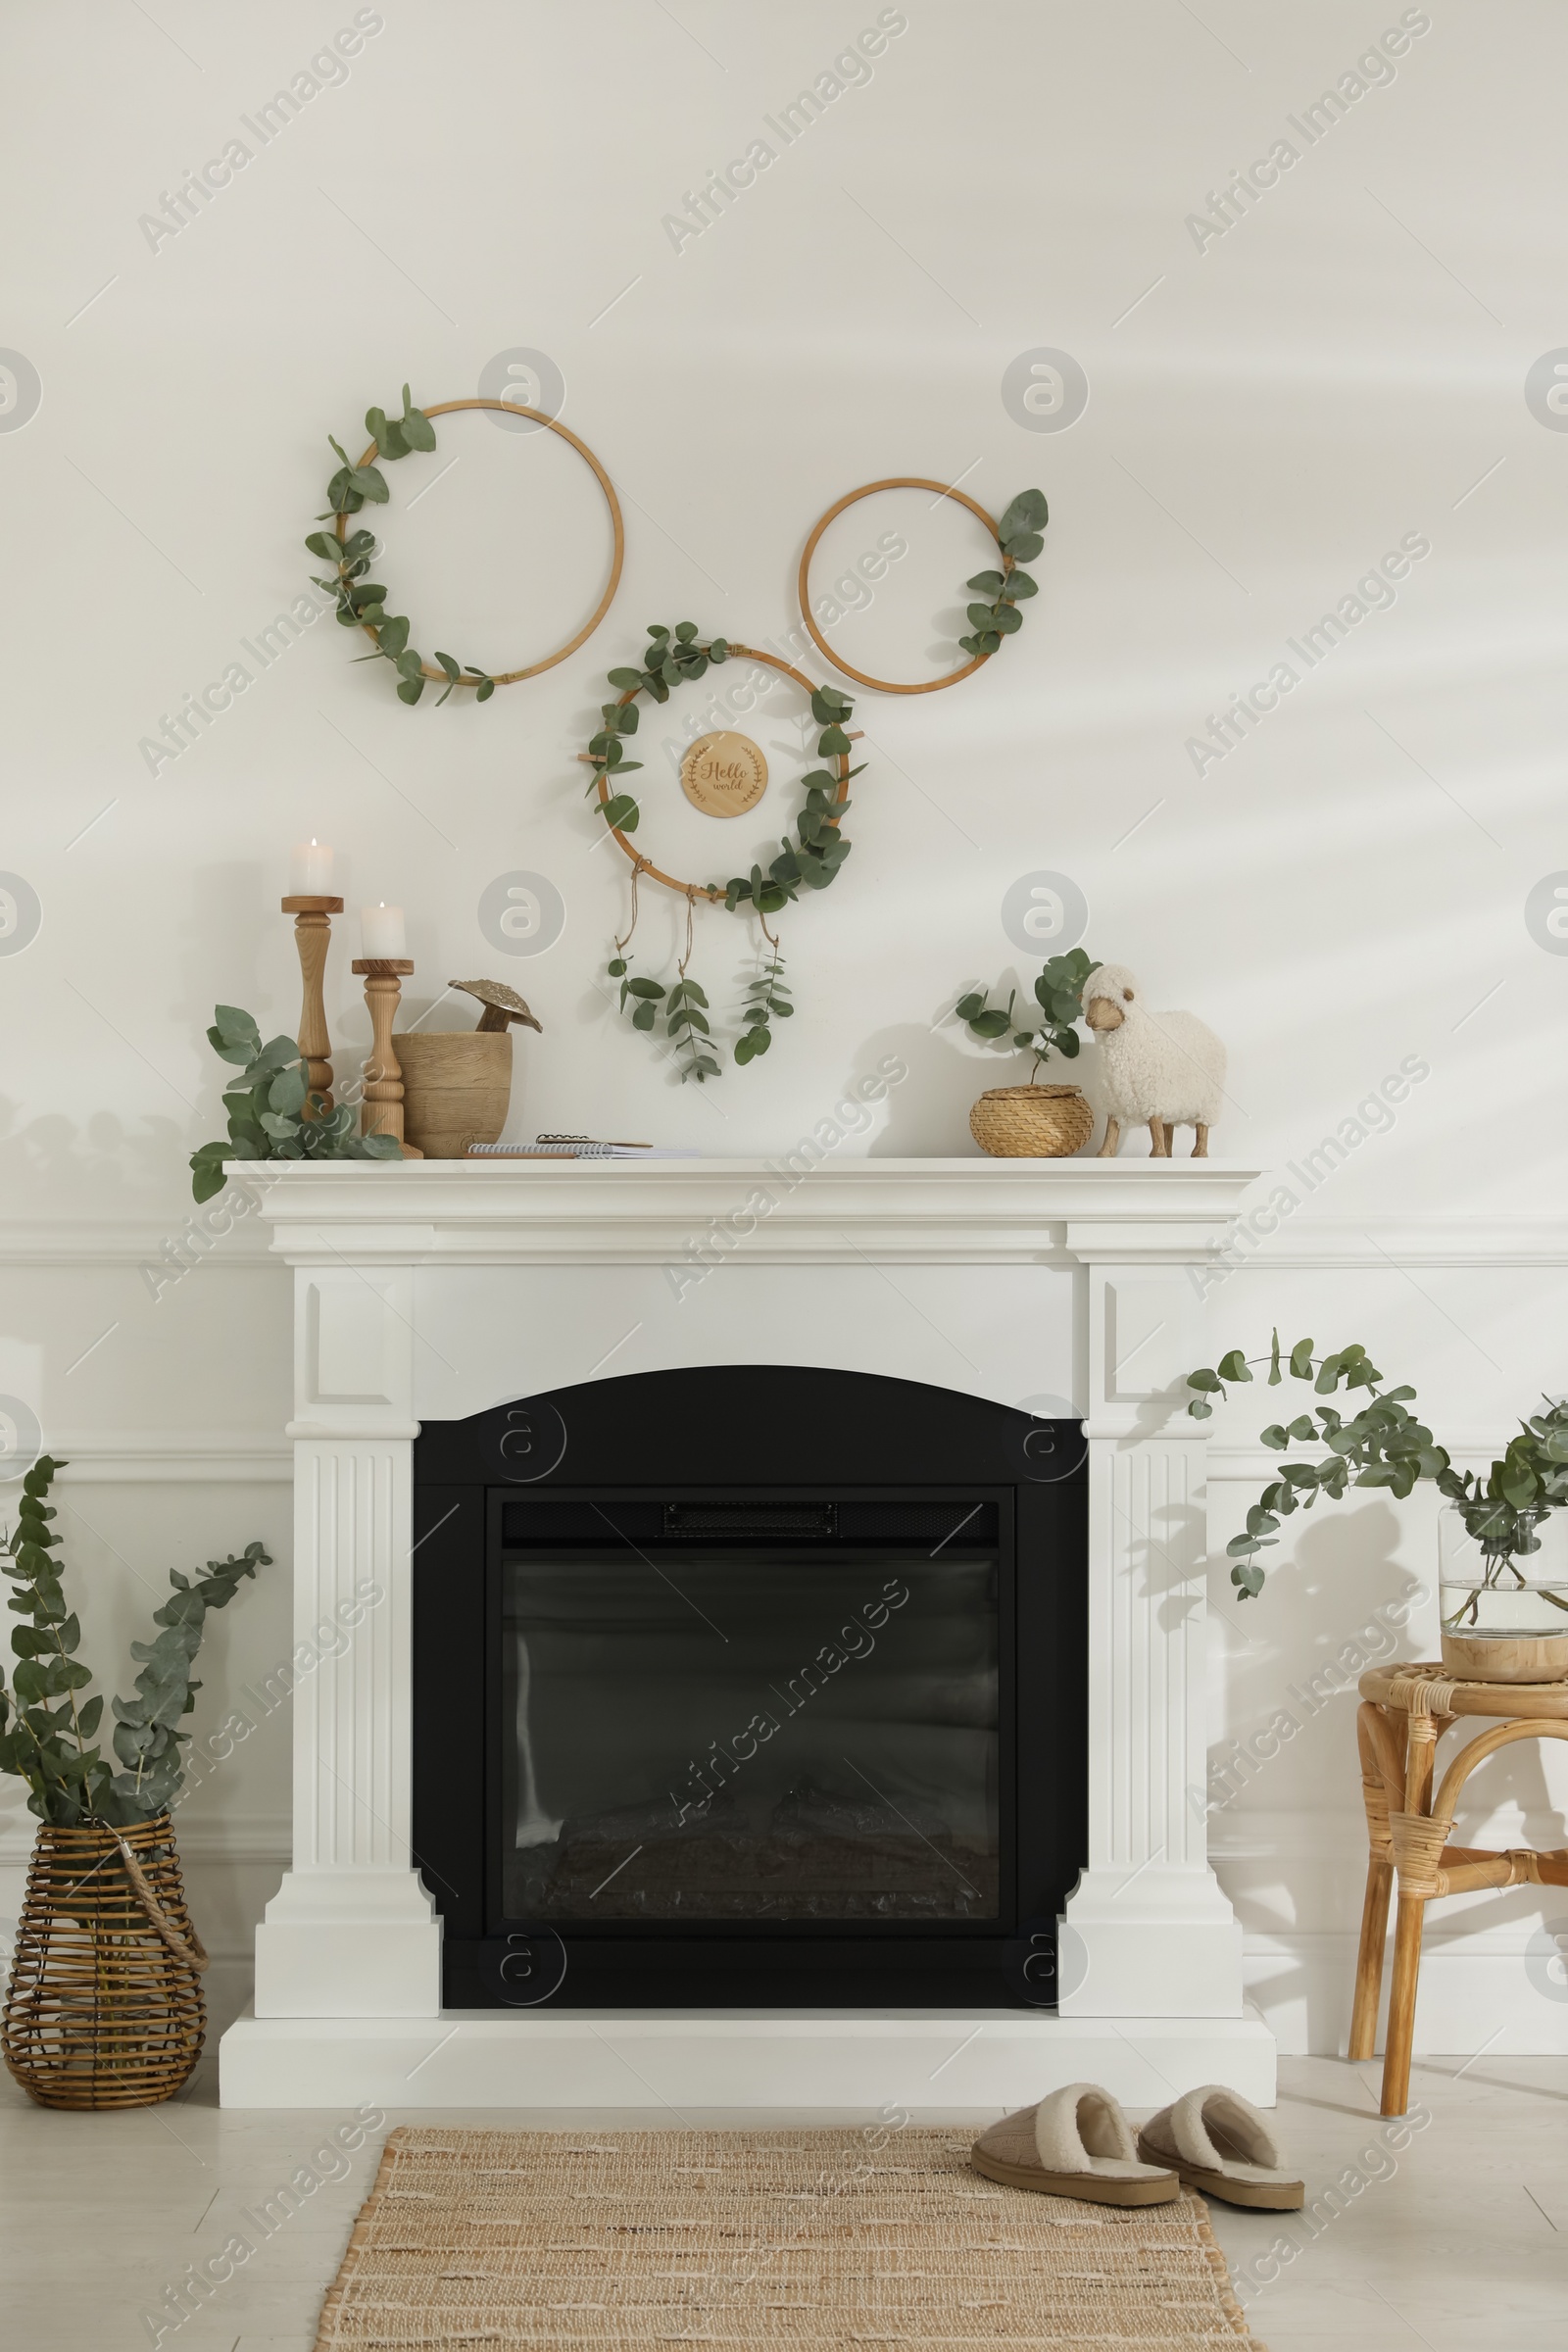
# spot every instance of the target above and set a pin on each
(679, 657)
(361, 602)
(1019, 539)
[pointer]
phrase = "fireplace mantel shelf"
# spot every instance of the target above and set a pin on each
(936, 1211)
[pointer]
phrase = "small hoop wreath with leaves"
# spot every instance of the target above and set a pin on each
(361, 602)
(678, 656)
(1019, 539)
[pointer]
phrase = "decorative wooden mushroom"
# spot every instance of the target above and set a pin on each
(502, 1004)
(458, 1082)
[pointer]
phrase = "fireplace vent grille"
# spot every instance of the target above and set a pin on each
(795, 1519)
(841, 1520)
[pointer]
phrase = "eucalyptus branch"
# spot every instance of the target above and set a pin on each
(821, 848)
(68, 1780)
(272, 1114)
(1060, 995)
(767, 1001)
(1384, 1444)
(361, 602)
(684, 1009)
(1020, 534)
(146, 1739)
(686, 1024)
(670, 659)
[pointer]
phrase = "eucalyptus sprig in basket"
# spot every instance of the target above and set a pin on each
(104, 2007)
(1034, 1121)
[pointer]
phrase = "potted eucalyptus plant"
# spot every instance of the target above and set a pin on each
(104, 2007)
(1034, 1121)
(1502, 1620)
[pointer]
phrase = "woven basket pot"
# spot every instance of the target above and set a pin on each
(104, 2008)
(1032, 1122)
(457, 1085)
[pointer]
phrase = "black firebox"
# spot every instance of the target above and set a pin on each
(750, 1688)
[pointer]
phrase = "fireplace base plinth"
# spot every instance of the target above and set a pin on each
(1115, 1917)
(865, 2065)
(364, 1944)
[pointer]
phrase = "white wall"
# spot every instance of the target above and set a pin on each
(1342, 891)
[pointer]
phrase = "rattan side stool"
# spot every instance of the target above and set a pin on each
(1404, 1712)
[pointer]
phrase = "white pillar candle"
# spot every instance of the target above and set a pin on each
(381, 932)
(309, 870)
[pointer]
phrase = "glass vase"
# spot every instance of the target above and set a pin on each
(1504, 1596)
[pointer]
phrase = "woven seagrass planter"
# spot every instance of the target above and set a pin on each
(104, 2007)
(1032, 1122)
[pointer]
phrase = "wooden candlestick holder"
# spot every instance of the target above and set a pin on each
(381, 1111)
(312, 936)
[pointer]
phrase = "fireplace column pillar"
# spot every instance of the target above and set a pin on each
(1147, 1931)
(352, 1932)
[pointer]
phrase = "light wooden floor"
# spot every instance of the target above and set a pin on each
(1457, 2242)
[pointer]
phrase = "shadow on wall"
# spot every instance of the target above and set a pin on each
(1295, 1657)
(52, 1167)
(928, 1114)
(1339, 1600)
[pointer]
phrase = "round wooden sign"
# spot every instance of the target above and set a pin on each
(724, 775)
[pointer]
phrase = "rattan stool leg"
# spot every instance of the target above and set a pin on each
(1381, 1742)
(1420, 1756)
(1369, 1958)
(1402, 2004)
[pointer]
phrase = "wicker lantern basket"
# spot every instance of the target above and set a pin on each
(1032, 1122)
(104, 2007)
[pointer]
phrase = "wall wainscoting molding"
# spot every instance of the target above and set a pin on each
(1477, 2001)
(260, 1838)
(172, 1457)
(133, 1242)
(1243, 1464)
(1390, 1245)
(184, 1457)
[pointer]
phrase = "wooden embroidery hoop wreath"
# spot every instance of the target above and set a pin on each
(643, 866)
(894, 482)
(513, 408)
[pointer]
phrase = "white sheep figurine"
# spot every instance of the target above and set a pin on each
(1165, 1068)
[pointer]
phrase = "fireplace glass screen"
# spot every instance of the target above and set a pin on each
(751, 1733)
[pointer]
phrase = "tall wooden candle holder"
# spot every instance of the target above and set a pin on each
(381, 1112)
(312, 936)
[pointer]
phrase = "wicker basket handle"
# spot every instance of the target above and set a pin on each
(192, 1953)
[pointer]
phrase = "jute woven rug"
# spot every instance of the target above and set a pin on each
(734, 2239)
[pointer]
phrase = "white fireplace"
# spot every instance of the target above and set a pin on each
(435, 1291)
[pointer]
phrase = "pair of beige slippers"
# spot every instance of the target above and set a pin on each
(1078, 2144)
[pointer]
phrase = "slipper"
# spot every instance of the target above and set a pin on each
(1075, 2144)
(1221, 2146)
